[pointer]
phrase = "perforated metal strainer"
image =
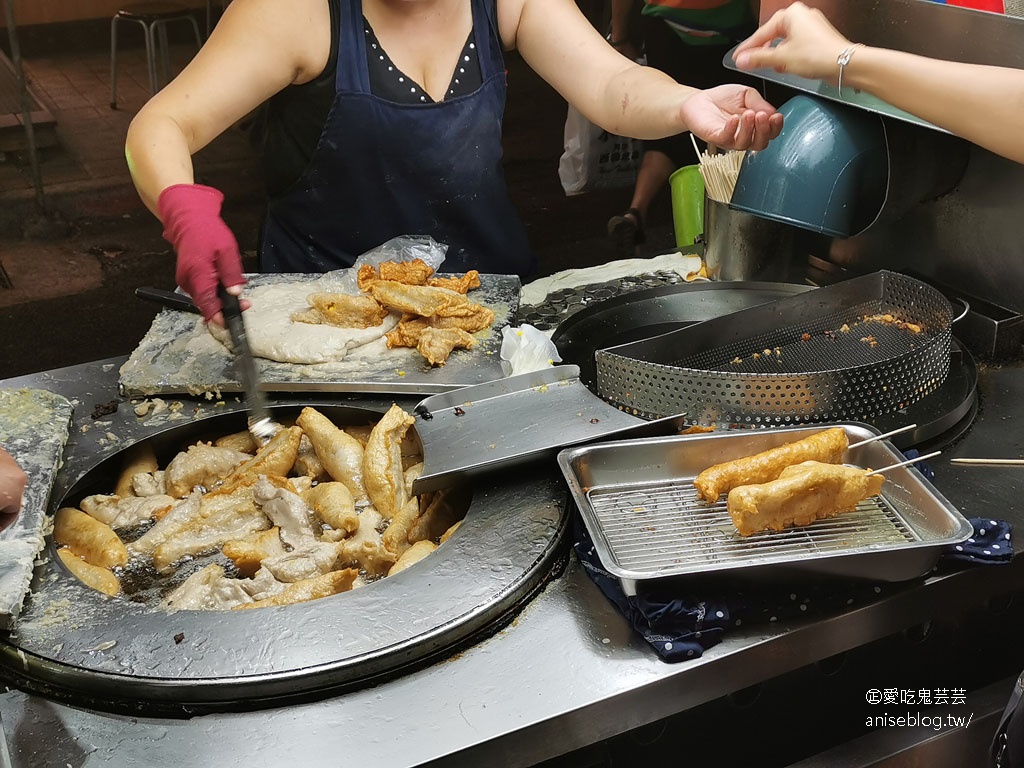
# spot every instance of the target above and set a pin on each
(862, 348)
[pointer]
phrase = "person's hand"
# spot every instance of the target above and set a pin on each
(732, 117)
(809, 45)
(12, 487)
(207, 251)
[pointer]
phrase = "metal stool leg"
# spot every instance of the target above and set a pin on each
(163, 52)
(151, 56)
(113, 63)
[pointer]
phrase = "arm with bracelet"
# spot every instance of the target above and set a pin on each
(979, 103)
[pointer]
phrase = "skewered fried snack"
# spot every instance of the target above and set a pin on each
(87, 537)
(407, 332)
(91, 575)
(242, 442)
(202, 464)
(803, 493)
(827, 446)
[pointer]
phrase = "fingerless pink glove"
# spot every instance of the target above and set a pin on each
(207, 250)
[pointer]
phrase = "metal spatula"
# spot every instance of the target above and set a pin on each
(261, 426)
(503, 423)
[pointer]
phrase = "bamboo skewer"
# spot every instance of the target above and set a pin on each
(993, 462)
(903, 463)
(719, 172)
(897, 431)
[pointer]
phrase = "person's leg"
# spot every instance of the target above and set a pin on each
(627, 230)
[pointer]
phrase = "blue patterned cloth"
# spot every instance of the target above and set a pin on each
(681, 626)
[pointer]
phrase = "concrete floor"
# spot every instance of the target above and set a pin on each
(73, 266)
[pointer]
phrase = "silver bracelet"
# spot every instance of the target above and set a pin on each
(843, 59)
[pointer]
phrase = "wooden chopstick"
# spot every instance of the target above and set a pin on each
(898, 431)
(993, 462)
(903, 463)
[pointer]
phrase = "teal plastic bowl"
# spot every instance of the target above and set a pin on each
(827, 171)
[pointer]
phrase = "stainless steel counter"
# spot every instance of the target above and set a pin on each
(567, 672)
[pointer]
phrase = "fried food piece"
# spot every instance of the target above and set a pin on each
(366, 277)
(396, 537)
(343, 311)
(827, 446)
(333, 504)
(275, 458)
(437, 518)
(223, 515)
(91, 575)
(414, 272)
(139, 459)
(307, 463)
(416, 299)
(242, 442)
(449, 533)
(436, 344)
(87, 537)
(463, 284)
(208, 589)
(413, 554)
(248, 553)
(201, 464)
(365, 548)
(382, 462)
(308, 589)
(803, 493)
(340, 453)
(407, 333)
(471, 319)
(132, 510)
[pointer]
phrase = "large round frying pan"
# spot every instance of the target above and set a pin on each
(652, 312)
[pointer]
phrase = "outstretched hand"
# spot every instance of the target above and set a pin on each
(732, 117)
(808, 44)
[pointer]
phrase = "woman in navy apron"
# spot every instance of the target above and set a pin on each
(384, 119)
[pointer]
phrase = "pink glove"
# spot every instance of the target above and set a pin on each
(207, 250)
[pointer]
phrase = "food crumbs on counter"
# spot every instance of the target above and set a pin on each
(104, 646)
(178, 638)
(492, 446)
(595, 421)
(459, 411)
(400, 373)
(805, 337)
(99, 410)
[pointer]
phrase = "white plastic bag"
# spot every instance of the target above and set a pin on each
(595, 159)
(525, 349)
(402, 248)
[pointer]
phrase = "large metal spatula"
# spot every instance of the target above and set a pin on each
(261, 426)
(503, 423)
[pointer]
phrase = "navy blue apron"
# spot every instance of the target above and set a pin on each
(383, 169)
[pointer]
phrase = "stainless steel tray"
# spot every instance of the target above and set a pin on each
(639, 505)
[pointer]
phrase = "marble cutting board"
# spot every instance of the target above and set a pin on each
(34, 428)
(177, 356)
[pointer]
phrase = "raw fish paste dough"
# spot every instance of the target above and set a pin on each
(275, 336)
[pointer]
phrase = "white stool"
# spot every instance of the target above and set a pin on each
(154, 18)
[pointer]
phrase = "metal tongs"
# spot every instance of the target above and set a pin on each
(261, 425)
